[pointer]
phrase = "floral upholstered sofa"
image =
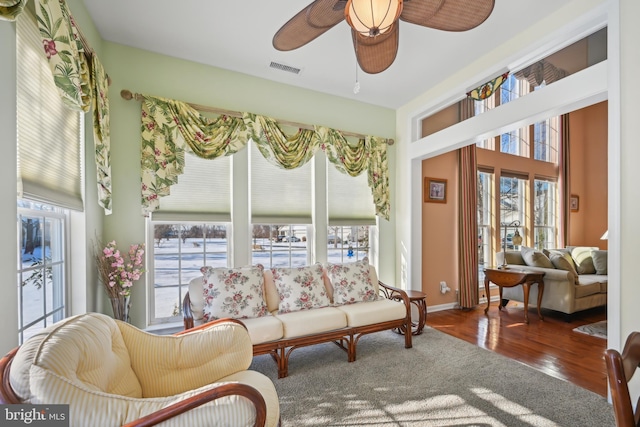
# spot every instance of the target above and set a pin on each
(286, 308)
(575, 277)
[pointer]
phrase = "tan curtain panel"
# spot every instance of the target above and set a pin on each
(10, 9)
(468, 216)
(468, 227)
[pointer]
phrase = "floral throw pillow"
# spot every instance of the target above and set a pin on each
(351, 282)
(300, 288)
(233, 292)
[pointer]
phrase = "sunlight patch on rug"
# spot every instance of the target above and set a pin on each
(598, 329)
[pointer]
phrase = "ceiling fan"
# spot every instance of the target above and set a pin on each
(374, 24)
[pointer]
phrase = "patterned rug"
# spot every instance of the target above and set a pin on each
(598, 329)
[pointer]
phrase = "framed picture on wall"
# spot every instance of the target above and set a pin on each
(435, 190)
(574, 203)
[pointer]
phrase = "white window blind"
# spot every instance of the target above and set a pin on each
(279, 196)
(203, 192)
(349, 198)
(49, 134)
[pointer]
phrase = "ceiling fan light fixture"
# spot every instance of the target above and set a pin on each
(372, 17)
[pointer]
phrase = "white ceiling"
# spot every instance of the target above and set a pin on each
(236, 35)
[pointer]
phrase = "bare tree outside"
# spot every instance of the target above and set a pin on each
(162, 231)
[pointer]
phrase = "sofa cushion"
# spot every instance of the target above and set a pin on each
(300, 288)
(306, 322)
(562, 261)
(591, 279)
(351, 282)
(582, 258)
(599, 261)
(263, 329)
(510, 257)
(270, 291)
(368, 313)
(233, 292)
(535, 258)
(588, 284)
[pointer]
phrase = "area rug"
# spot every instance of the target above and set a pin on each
(598, 329)
(441, 381)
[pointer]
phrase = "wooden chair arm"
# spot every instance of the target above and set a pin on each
(391, 292)
(187, 313)
(7, 395)
(222, 390)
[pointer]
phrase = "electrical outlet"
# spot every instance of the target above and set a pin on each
(444, 288)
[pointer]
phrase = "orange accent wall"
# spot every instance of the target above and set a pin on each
(588, 131)
(440, 232)
(588, 151)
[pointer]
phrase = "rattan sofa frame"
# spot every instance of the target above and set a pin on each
(345, 338)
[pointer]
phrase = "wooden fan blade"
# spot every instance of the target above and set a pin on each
(311, 22)
(447, 15)
(376, 54)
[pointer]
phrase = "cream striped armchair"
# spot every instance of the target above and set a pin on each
(112, 374)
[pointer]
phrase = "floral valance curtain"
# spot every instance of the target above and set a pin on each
(65, 53)
(101, 132)
(369, 154)
(10, 9)
(80, 85)
(168, 126)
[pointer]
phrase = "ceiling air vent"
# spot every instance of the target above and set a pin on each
(283, 67)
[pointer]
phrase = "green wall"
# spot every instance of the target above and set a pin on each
(153, 74)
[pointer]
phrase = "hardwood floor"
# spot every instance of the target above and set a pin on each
(550, 346)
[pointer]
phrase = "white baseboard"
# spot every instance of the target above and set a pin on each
(454, 305)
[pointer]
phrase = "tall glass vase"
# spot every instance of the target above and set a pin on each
(120, 306)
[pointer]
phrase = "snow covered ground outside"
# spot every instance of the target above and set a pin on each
(173, 272)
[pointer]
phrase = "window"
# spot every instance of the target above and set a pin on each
(41, 267)
(280, 245)
(248, 211)
(49, 159)
(178, 251)
(576, 57)
(544, 214)
(348, 243)
(485, 219)
(546, 140)
(512, 88)
(512, 209)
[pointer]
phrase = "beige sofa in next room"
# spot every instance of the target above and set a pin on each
(575, 277)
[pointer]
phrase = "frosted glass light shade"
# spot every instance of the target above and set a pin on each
(372, 17)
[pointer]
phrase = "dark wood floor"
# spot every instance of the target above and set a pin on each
(550, 346)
